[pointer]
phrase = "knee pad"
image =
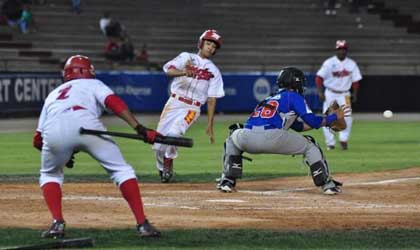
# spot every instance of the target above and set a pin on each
(320, 173)
(312, 140)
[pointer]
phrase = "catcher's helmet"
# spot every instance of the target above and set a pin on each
(211, 35)
(291, 78)
(77, 67)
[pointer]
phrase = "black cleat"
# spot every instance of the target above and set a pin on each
(226, 185)
(55, 231)
(147, 230)
(344, 145)
(333, 187)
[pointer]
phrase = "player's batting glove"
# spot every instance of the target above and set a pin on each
(148, 134)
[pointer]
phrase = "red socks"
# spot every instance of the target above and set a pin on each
(131, 193)
(52, 196)
(129, 189)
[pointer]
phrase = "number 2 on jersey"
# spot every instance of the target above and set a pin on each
(267, 111)
(64, 93)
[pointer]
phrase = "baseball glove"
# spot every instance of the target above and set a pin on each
(340, 123)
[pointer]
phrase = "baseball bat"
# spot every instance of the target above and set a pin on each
(170, 140)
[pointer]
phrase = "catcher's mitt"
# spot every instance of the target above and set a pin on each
(340, 123)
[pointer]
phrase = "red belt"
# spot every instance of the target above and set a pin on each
(75, 108)
(186, 100)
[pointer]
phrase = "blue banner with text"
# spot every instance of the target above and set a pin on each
(149, 92)
(24, 93)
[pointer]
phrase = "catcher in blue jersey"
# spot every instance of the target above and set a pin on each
(267, 132)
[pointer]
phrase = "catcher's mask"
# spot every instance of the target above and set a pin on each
(78, 67)
(211, 35)
(292, 78)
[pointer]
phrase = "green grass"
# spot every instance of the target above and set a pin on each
(231, 239)
(374, 146)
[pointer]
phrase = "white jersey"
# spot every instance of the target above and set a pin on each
(207, 83)
(87, 94)
(339, 75)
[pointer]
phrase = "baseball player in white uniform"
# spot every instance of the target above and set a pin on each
(79, 102)
(334, 80)
(196, 80)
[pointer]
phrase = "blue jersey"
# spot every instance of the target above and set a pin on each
(282, 111)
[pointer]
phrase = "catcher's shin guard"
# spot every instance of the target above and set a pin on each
(319, 172)
(233, 166)
(232, 160)
(317, 163)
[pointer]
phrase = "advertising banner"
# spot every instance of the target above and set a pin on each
(24, 93)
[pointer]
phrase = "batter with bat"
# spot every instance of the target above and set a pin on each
(196, 80)
(79, 102)
(267, 132)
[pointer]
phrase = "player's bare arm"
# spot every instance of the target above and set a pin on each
(211, 107)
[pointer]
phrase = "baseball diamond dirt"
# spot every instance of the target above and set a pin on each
(369, 201)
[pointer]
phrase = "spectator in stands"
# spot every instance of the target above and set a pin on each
(120, 49)
(356, 4)
(12, 11)
(331, 8)
(127, 48)
(112, 49)
(104, 21)
(114, 29)
(142, 57)
(26, 20)
(76, 6)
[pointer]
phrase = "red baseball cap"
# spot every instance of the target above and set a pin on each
(341, 44)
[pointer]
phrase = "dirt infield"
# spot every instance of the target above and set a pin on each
(388, 199)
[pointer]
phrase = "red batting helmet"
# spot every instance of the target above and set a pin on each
(341, 44)
(77, 67)
(211, 35)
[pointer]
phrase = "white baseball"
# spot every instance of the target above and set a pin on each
(388, 114)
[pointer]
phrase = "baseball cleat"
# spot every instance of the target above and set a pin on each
(330, 147)
(226, 188)
(344, 145)
(332, 191)
(165, 177)
(226, 185)
(168, 170)
(55, 231)
(147, 230)
(332, 187)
